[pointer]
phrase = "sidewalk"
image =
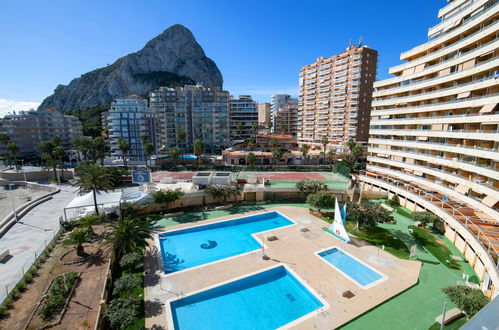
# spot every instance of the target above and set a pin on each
(30, 236)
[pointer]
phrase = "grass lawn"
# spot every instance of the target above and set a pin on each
(379, 236)
(454, 325)
(439, 250)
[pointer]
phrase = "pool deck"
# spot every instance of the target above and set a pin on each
(297, 250)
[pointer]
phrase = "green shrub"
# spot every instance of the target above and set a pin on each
(28, 278)
(121, 313)
(467, 299)
(131, 261)
(126, 284)
(57, 294)
(7, 302)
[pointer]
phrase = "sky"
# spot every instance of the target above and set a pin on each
(259, 46)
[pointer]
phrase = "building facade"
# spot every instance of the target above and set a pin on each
(284, 114)
(243, 116)
(129, 118)
(28, 128)
(264, 114)
(434, 135)
(201, 112)
(335, 97)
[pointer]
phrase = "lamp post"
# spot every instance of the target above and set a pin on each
(22, 168)
(12, 201)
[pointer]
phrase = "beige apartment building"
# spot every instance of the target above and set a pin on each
(434, 135)
(284, 114)
(335, 97)
(264, 114)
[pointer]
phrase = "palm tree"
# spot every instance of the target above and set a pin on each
(78, 237)
(330, 156)
(56, 139)
(60, 153)
(269, 125)
(13, 149)
(100, 149)
(128, 236)
(148, 150)
(181, 137)
(198, 149)
(284, 129)
(251, 159)
(49, 163)
(240, 127)
(351, 144)
(174, 153)
(94, 178)
(254, 128)
(250, 144)
(304, 148)
(324, 142)
(277, 153)
(144, 137)
(274, 143)
(124, 147)
(77, 144)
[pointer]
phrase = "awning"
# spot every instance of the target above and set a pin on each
(88, 199)
(463, 95)
(418, 173)
(490, 201)
(454, 24)
(488, 108)
(468, 64)
(385, 117)
(422, 138)
(443, 72)
(419, 68)
(409, 71)
(462, 189)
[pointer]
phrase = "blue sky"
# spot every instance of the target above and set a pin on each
(259, 46)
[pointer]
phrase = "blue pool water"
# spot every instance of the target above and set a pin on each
(196, 246)
(267, 300)
(359, 272)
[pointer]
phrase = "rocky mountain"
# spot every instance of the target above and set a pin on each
(173, 58)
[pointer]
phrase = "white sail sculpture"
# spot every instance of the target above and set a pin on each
(337, 228)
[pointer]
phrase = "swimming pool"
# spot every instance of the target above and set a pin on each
(266, 300)
(351, 267)
(195, 246)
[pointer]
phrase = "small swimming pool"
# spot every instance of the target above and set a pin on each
(195, 246)
(266, 300)
(351, 267)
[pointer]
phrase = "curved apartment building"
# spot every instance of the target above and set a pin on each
(434, 132)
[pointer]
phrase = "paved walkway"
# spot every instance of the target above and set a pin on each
(30, 236)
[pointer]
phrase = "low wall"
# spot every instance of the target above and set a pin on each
(34, 175)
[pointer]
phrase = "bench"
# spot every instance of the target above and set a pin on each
(450, 315)
(4, 255)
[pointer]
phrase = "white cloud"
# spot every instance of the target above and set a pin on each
(7, 106)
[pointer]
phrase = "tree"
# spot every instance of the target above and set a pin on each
(78, 237)
(368, 214)
(357, 152)
(424, 217)
(217, 191)
(250, 144)
(167, 196)
(240, 127)
(234, 191)
(331, 156)
(60, 154)
(56, 139)
(148, 150)
(49, 163)
(13, 149)
(5, 139)
(89, 221)
(310, 186)
(304, 148)
(324, 142)
(198, 148)
(124, 147)
(269, 125)
(94, 178)
(251, 159)
(467, 299)
(321, 200)
(174, 153)
(121, 313)
(277, 153)
(181, 137)
(274, 143)
(100, 149)
(124, 286)
(351, 144)
(128, 235)
(144, 137)
(284, 128)
(77, 145)
(254, 128)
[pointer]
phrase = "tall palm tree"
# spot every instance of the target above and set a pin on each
(77, 145)
(277, 153)
(56, 139)
(94, 178)
(274, 143)
(148, 150)
(49, 163)
(240, 127)
(60, 153)
(351, 144)
(13, 149)
(144, 137)
(124, 147)
(174, 153)
(100, 149)
(198, 149)
(251, 159)
(304, 148)
(128, 236)
(324, 142)
(254, 128)
(181, 137)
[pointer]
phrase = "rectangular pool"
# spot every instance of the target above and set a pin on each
(195, 246)
(266, 300)
(351, 267)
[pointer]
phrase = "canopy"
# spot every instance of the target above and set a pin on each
(88, 199)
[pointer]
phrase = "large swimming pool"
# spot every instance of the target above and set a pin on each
(266, 300)
(354, 269)
(191, 247)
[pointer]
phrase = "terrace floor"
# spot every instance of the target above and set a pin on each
(294, 248)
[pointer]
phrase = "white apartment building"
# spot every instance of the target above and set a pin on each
(243, 115)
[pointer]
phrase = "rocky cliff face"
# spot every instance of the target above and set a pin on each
(173, 58)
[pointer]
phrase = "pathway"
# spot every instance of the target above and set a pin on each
(28, 238)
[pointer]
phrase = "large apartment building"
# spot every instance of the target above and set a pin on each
(284, 114)
(264, 114)
(335, 97)
(243, 116)
(201, 112)
(129, 118)
(434, 135)
(28, 128)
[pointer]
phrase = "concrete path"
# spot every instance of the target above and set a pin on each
(30, 236)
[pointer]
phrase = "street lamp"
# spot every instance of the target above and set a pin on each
(22, 168)
(12, 201)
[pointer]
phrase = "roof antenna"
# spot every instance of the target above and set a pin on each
(349, 45)
(361, 39)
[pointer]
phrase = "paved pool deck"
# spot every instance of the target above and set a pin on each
(293, 248)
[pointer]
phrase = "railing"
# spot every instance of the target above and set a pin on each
(439, 117)
(480, 236)
(403, 143)
(477, 131)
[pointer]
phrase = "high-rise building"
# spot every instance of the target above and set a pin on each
(28, 128)
(434, 135)
(284, 114)
(243, 115)
(129, 118)
(335, 97)
(201, 112)
(264, 114)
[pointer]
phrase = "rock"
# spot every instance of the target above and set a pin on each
(173, 58)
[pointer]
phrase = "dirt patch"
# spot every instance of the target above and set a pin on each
(90, 251)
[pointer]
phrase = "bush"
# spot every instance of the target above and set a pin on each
(126, 284)
(321, 200)
(131, 260)
(121, 313)
(310, 186)
(424, 218)
(467, 299)
(3, 311)
(28, 278)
